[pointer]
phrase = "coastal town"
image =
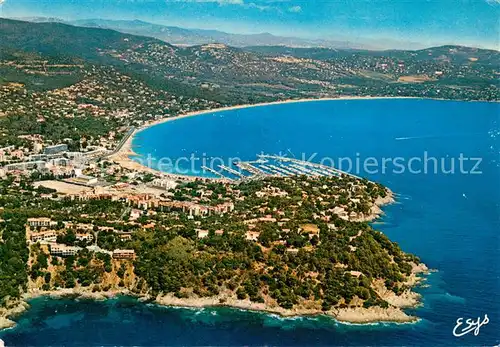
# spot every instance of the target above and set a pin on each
(213, 242)
(79, 216)
(92, 220)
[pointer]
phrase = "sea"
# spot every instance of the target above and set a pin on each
(447, 214)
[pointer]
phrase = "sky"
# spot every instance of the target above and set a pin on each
(390, 22)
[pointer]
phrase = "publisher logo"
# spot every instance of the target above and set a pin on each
(469, 325)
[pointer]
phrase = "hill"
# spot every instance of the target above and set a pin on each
(234, 75)
(192, 37)
(59, 39)
(450, 54)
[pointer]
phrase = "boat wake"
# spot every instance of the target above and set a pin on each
(405, 138)
(417, 137)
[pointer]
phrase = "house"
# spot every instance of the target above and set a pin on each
(84, 179)
(124, 254)
(252, 235)
(48, 236)
(135, 214)
(201, 233)
(55, 149)
(85, 237)
(124, 237)
(63, 250)
(40, 222)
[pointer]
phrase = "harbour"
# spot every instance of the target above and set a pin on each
(268, 165)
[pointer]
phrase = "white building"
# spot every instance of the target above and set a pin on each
(47, 236)
(63, 250)
(84, 237)
(40, 222)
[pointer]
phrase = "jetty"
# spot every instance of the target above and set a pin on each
(305, 171)
(249, 167)
(293, 170)
(265, 167)
(281, 169)
(332, 170)
(217, 173)
(231, 171)
(274, 166)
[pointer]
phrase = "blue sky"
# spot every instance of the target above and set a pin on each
(428, 22)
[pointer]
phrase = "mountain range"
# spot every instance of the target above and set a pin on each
(192, 37)
(235, 75)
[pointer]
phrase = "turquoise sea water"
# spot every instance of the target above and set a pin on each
(452, 221)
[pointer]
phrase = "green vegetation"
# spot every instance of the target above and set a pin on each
(302, 254)
(301, 242)
(13, 257)
(231, 75)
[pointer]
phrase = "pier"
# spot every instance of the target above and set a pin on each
(306, 171)
(249, 167)
(294, 170)
(232, 171)
(281, 169)
(332, 170)
(265, 167)
(275, 166)
(320, 171)
(215, 172)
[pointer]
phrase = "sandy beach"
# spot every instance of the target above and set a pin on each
(122, 157)
(359, 315)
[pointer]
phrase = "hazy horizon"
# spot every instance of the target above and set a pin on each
(382, 24)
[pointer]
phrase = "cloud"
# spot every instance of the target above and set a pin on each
(295, 9)
(258, 7)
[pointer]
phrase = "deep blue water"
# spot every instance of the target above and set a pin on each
(451, 221)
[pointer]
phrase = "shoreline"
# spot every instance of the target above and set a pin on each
(122, 157)
(350, 316)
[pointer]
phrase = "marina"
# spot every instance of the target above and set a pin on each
(272, 165)
(331, 170)
(247, 166)
(231, 171)
(215, 172)
(265, 167)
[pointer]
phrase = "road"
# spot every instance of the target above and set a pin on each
(120, 145)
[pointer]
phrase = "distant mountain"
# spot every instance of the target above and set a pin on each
(192, 37)
(267, 39)
(171, 34)
(441, 54)
(41, 19)
(247, 75)
(59, 39)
